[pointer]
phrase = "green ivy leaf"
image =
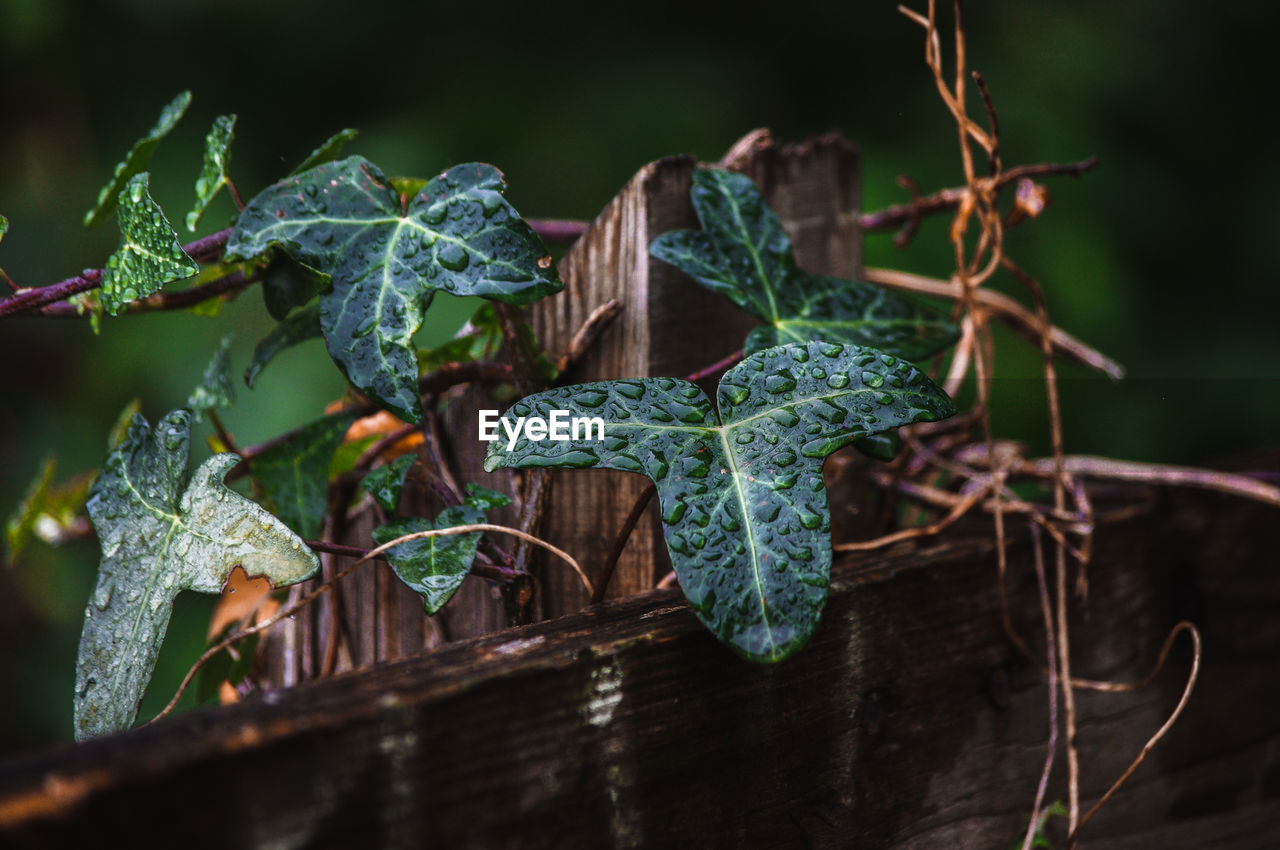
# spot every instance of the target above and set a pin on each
(287, 283)
(149, 255)
(295, 473)
(434, 567)
(328, 150)
(385, 482)
(4, 227)
(344, 219)
(743, 253)
(213, 171)
(49, 511)
(479, 338)
(744, 507)
(215, 389)
(136, 161)
(884, 446)
(299, 327)
(160, 534)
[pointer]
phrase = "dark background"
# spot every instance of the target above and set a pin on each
(1163, 257)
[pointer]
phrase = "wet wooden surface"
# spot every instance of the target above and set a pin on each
(908, 722)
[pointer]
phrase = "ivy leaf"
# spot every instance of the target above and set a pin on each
(884, 446)
(345, 219)
(215, 389)
(120, 428)
(295, 473)
(149, 255)
(136, 161)
(213, 171)
(385, 482)
(434, 567)
(160, 534)
(479, 338)
(4, 227)
(743, 253)
(744, 507)
(48, 511)
(299, 327)
(287, 283)
(328, 150)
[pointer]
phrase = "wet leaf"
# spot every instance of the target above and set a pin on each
(4, 227)
(743, 253)
(215, 389)
(328, 151)
(744, 506)
(295, 473)
(299, 327)
(385, 482)
(213, 171)
(435, 567)
(149, 255)
(162, 532)
(287, 283)
(137, 159)
(120, 428)
(883, 446)
(344, 219)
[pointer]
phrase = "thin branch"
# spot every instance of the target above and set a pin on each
(900, 215)
(620, 541)
(596, 323)
(1047, 615)
(718, 366)
(1162, 731)
(962, 507)
(564, 230)
(1018, 317)
(1090, 466)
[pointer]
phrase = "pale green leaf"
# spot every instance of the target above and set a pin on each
(215, 389)
(120, 428)
(744, 507)
(149, 255)
(213, 171)
(386, 260)
(4, 227)
(294, 473)
(299, 327)
(162, 533)
(22, 522)
(50, 511)
(743, 253)
(136, 161)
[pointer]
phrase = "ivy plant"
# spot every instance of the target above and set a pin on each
(743, 503)
(162, 532)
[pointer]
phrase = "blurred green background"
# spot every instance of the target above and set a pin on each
(1163, 257)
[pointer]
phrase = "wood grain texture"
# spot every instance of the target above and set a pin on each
(909, 722)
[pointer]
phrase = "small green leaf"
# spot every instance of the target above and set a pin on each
(120, 428)
(137, 160)
(883, 446)
(215, 389)
(223, 668)
(744, 506)
(4, 227)
(743, 253)
(213, 171)
(344, 219)
(299, 327)
(149, 255)
(385, 482)
(485, 499)
(328, 150)
(347, 454)
(286, 284)
(479, 338)
(295, 473)
(433, 567)
(162, 533)
(22, 522)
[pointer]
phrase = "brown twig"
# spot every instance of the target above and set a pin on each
(1190, 629)
(1047, 615)
(596, 323)
(1018, 318)
(1089, 466)
(620, 541)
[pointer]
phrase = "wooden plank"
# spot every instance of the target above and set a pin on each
(908, 722)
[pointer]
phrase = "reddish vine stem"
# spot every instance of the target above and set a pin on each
(620, 542)
(563, 230)
(494, 572)
(718, 366)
